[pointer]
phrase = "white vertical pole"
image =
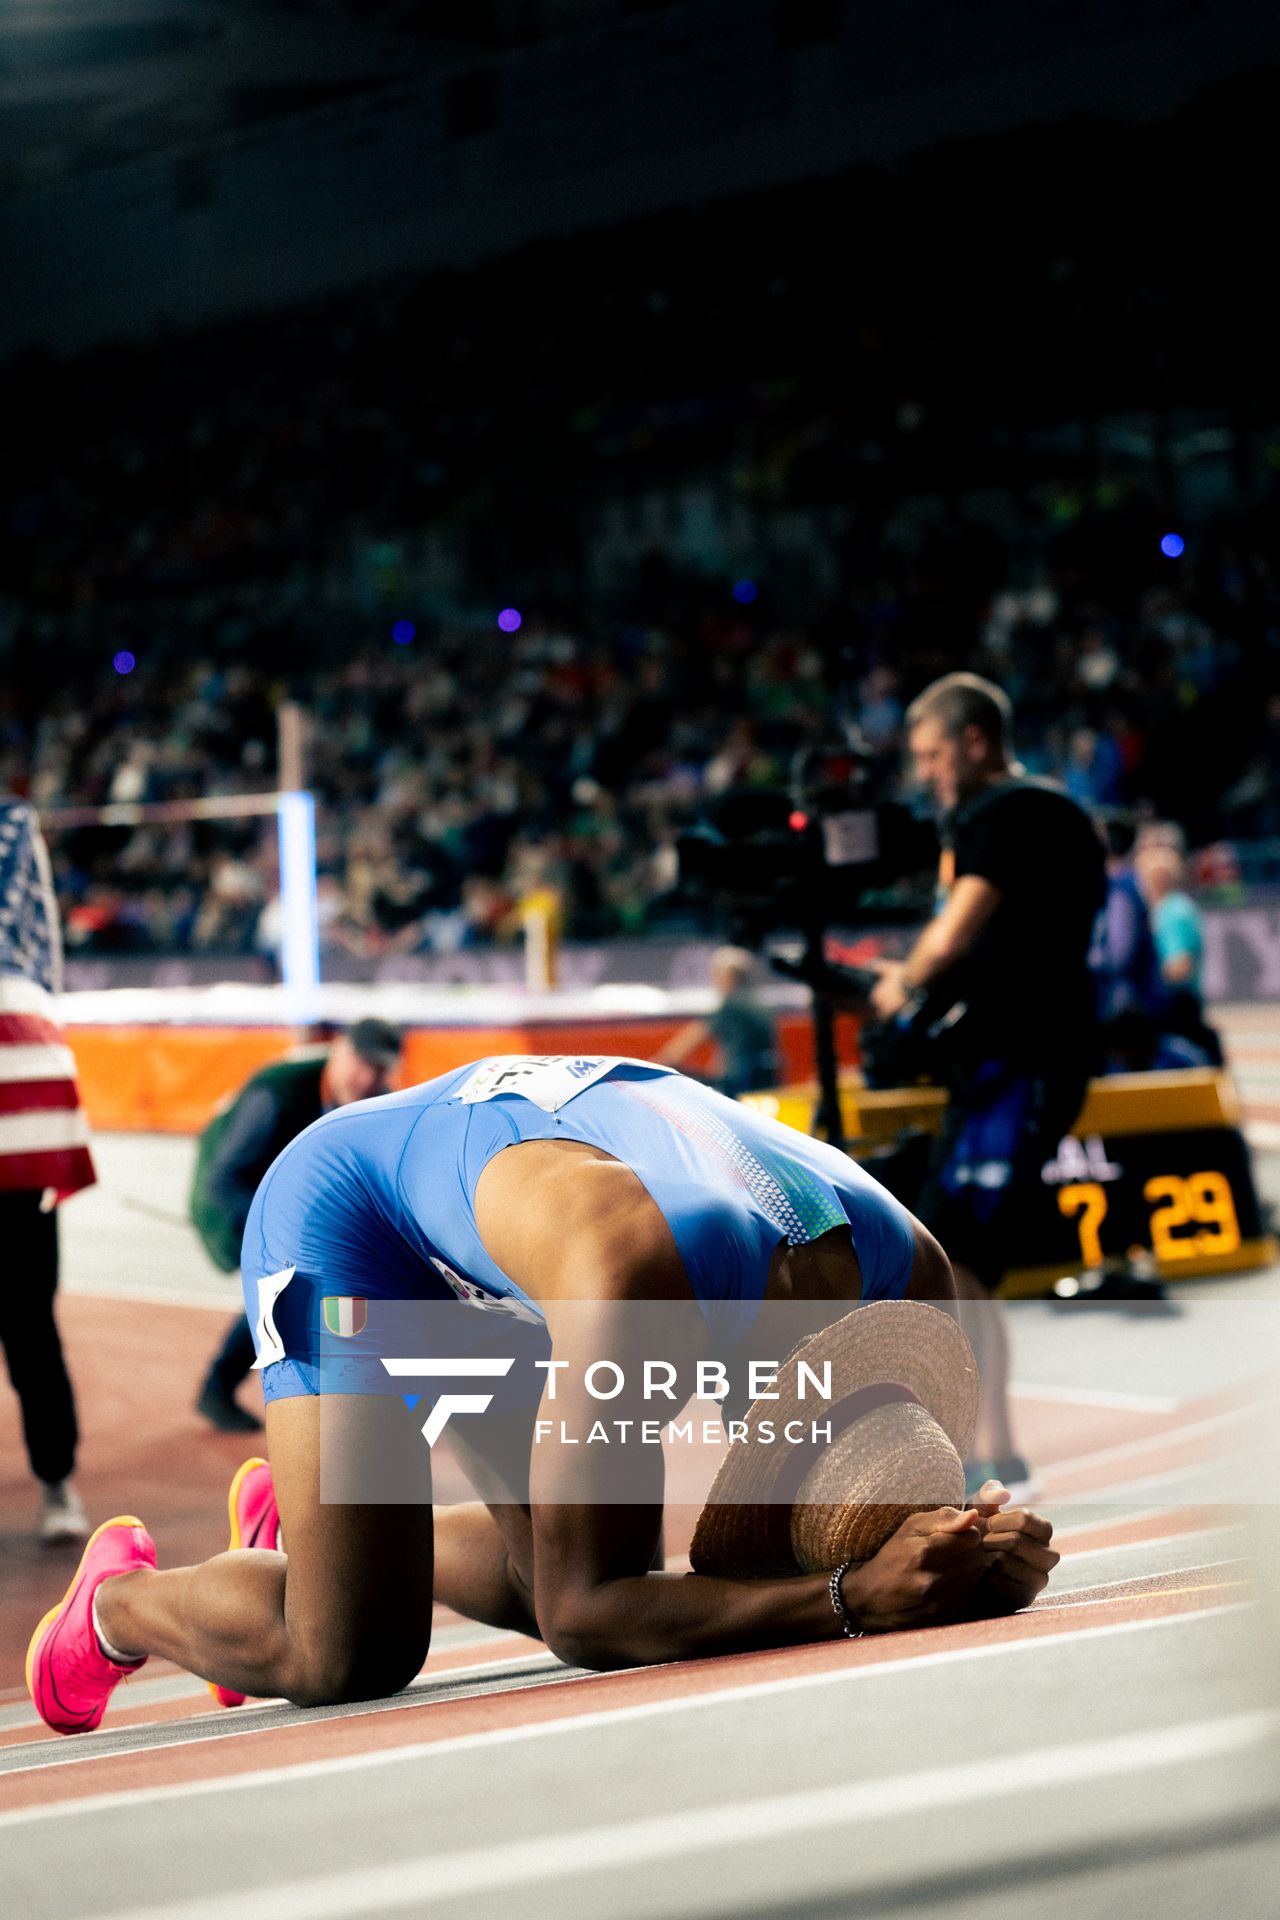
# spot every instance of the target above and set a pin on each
(299, 918)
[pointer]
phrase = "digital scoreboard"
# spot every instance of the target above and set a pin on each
(1156, 1165)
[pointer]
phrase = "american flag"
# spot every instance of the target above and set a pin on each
(44, 1136)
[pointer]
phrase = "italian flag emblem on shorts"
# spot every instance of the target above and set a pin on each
(345, 1316)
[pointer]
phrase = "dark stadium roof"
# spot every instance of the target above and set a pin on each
(96, 86)
(88, 83)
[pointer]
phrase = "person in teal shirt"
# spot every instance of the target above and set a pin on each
(1175, 917)
(1178, 930)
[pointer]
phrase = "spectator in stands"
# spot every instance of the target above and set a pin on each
(1094, 774)
(880, 710)
(242, 520)
(229, 915)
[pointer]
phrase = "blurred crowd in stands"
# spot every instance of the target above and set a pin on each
(939, 404)
(458, 774)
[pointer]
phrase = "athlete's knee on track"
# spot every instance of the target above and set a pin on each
(330, 1672)
(572, 1629)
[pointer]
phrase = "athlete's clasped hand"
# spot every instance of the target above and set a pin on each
(1016, 1547)
(922, 1575)
(954, 1564)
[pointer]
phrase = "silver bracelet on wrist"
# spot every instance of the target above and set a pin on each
(838, 1607)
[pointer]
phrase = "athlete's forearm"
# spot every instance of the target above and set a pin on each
(673, 1616)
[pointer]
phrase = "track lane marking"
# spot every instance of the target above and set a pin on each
(1146, 1484)
(459, 1662)
(185, 1698)
(1095, 1397)
(515, 1865)
(1071, 1555)
(49, 1749)
(1171, 1436)
(1141, 1529)
(179, 1696)
(1131, 1585)
(194, 1707)
(1100, 1597)
(52, 1792)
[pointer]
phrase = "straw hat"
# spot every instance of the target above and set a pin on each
(903, 1405)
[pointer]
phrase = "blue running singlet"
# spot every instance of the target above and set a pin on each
(375, 1201)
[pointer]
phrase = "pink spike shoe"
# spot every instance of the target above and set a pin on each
(255, 1522)
(69, 1677)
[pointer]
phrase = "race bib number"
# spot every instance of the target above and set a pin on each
(473, 1296)
(548, 1079)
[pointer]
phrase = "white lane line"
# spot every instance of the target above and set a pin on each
(16, 1709)
(516, 1864)
(1173, 1436)
(1198, 1483)
(430, 1686)
(1094, 1397)
(429, 1689)
(141, 1693)
(256, 1780)
(1108, 1597)
(1070, 1555)
(1122, 1520)
(185, 1686)
(1124, 1589)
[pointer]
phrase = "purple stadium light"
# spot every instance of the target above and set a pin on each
(744, 592)
(1172, 545)
(509, 620)
(124, 661)
(403, 632)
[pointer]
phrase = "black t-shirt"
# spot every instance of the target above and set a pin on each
(1026, 980)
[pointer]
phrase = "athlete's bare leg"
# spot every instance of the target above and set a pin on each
(344, 1615)
(476, 1572)
(983, 1320)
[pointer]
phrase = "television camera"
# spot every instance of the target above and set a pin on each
(787, 866)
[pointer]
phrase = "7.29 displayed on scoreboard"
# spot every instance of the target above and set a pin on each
(1185, 1197)
(1191, 1216)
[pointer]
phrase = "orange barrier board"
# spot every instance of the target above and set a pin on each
(169, 1079)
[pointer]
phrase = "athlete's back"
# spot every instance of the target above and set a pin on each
(376, 1201)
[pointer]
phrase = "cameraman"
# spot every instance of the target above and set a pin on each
(1024, 877)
